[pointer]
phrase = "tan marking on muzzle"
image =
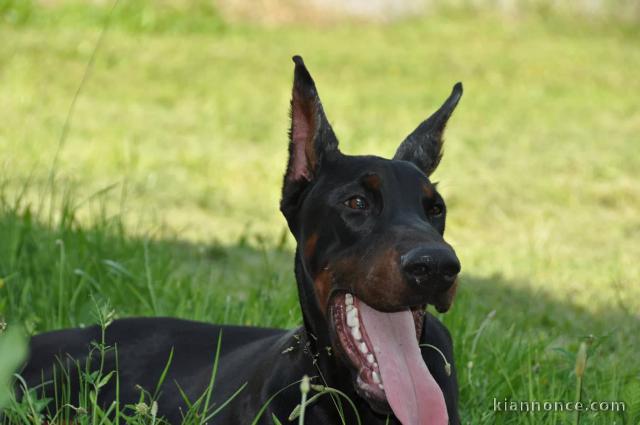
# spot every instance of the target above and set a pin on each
(384, 286)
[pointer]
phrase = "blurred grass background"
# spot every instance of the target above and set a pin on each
(163, 198)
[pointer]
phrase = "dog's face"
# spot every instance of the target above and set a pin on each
(370, 233)
(373, 227)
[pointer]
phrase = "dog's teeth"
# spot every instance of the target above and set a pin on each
(352, 318)
(375, 364)
(370, 358)
(350, 307)
(353, 321)
(381, 386)
(348, 299)
(376, 378)
(363, 348)
(355, 332)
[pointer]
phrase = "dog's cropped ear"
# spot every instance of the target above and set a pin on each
(311, 139)
(311, 135)
(423, 147)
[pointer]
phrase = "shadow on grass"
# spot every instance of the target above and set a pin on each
(516, 343)
(512, 342)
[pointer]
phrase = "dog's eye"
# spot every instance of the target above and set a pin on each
(434, 210)
(357, 203)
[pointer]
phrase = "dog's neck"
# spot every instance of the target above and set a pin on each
(315, 322)
(315, 339)
(316, 330)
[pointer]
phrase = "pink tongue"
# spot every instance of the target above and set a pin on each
(412, 393)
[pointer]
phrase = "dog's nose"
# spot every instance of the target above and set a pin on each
(426, 265)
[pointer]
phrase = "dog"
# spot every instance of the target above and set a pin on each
(370, 257)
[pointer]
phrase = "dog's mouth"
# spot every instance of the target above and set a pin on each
(385, 360)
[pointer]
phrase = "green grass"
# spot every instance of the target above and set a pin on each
(164, 199)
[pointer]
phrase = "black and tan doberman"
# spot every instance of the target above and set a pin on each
(370, 257)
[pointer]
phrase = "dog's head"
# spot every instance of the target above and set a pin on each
(370, 238)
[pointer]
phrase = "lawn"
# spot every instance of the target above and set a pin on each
(162, 197)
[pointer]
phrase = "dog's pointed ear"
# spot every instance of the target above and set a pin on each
(311, 135)
(423, 147)
(311, 139)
